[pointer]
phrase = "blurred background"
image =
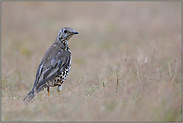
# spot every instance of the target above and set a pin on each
(133, 48)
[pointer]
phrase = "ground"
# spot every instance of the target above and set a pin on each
(126, 61)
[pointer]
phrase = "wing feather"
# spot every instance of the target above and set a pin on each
(51, 69)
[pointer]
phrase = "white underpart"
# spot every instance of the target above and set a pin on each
(70, 61)
(60, 88)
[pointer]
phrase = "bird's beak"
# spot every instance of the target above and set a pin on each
(75, 32)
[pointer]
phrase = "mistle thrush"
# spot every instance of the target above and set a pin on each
(55, 65)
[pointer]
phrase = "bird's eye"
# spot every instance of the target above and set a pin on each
(65, 31)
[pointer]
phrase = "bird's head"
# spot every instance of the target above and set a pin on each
(66, 33)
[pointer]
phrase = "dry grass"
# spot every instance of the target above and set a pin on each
(126, 61)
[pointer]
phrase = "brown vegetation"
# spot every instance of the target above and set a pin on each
(126, 61)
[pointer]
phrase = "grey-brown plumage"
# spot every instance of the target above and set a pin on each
(55, 65)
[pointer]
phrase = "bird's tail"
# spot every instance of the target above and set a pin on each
(30, 96)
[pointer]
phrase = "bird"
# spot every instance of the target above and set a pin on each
(55, 65)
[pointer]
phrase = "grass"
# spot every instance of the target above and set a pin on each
(126, 61)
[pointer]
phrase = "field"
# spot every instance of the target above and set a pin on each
(126, 61)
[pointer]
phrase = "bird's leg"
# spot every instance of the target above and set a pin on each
(59, 88)
(48, 89)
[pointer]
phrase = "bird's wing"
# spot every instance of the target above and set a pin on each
(50, 67)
